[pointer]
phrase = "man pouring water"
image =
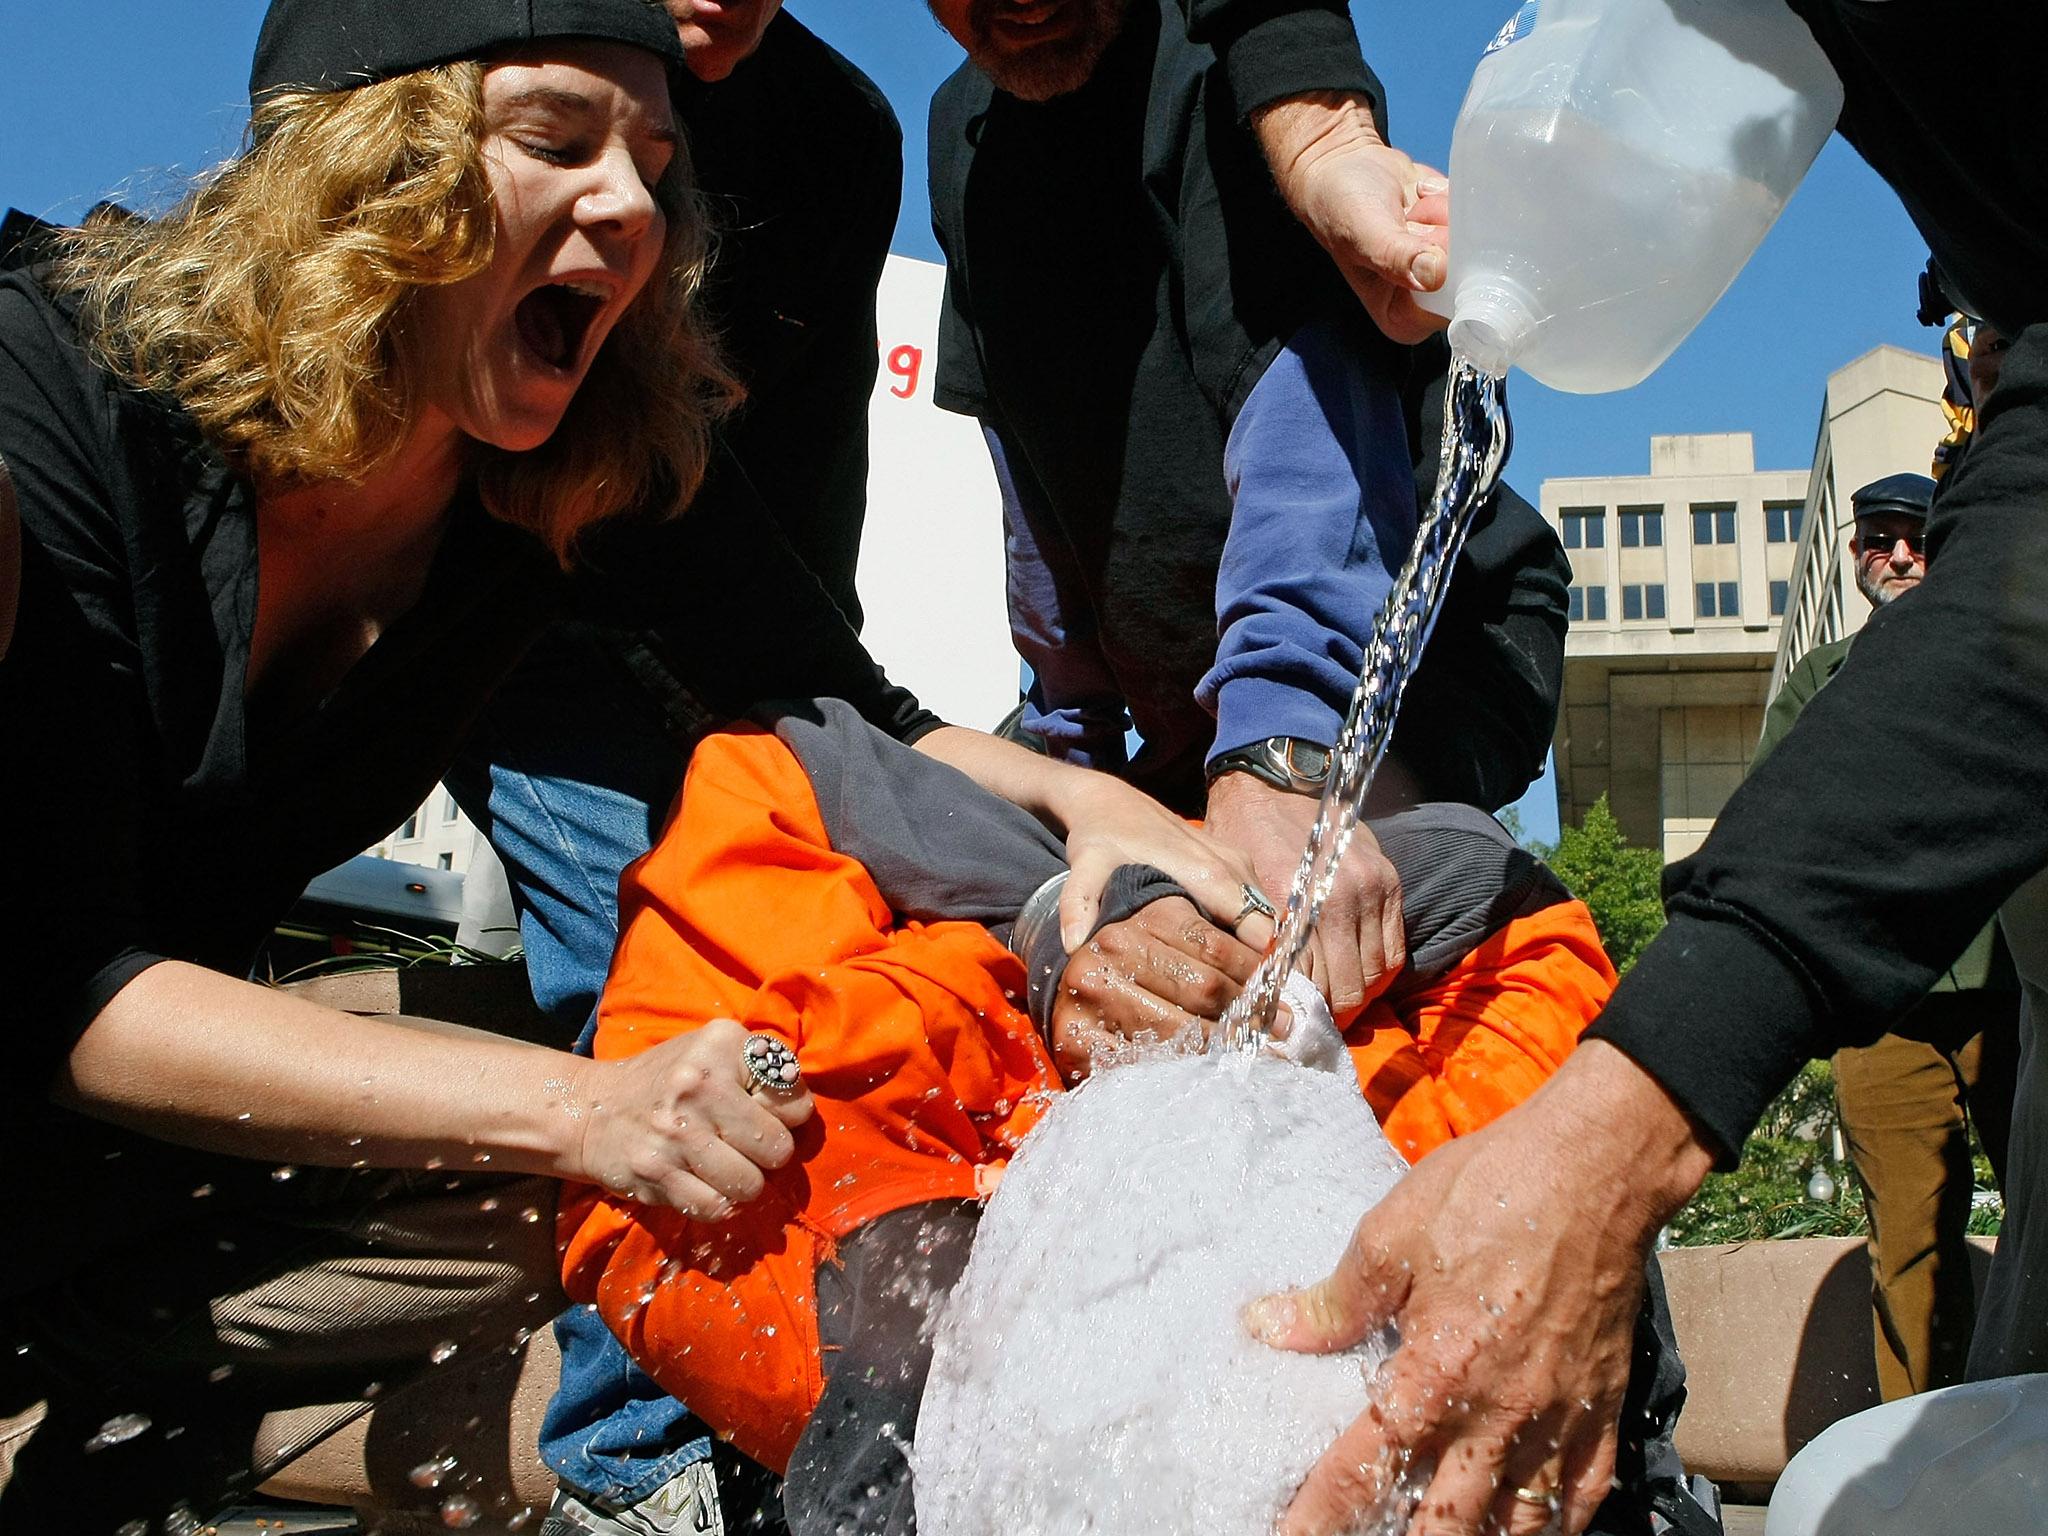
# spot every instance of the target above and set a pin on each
(1790, 934)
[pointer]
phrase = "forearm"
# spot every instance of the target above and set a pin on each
(1609, 1126)
(1045, 788)
(195, 1057)
(1322, 514)
(1295, 130)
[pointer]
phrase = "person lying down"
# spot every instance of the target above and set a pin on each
(896, 927)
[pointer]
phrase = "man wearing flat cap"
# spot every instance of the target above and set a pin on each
(1908, 1100)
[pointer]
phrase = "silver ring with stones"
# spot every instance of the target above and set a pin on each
(1255, 900)
(771, 1064)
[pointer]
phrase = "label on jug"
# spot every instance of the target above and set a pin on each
(1518, 27)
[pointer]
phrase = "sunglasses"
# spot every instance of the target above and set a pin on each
(1883, 544)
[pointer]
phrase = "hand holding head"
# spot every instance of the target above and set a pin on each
(689, 1124)
(1510, 1262)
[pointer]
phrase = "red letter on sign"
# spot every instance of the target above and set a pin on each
(906, 362)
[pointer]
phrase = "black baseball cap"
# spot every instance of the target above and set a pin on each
(1907, 493)
(337, 45)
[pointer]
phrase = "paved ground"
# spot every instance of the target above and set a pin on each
(1740, 1520)
(266, 1521)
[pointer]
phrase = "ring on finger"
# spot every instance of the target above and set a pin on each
(771, 1064)
(1255, 900)
(1545, 1498)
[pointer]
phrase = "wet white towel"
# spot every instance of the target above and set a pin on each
(1090, 1373)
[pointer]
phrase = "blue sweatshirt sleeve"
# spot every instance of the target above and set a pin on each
(1323, 512)
(1073, 701)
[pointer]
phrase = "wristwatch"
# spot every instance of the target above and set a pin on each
(1285, 762)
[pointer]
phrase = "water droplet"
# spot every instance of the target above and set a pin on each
(220, 1373)
(442, 1351)
(283, 1172)
(530, 1215)
(428, 1474)
(121, 1427)
(459, 1511)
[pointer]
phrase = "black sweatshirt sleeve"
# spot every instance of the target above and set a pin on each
(74, 720)
(1801, 926)
(1276, 48)
(739, 617)
(803, 436)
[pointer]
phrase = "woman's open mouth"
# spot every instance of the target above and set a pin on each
(555, 320)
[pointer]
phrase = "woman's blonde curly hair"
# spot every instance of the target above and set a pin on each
(272, 305)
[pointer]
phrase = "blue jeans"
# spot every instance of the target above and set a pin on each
(569, 772)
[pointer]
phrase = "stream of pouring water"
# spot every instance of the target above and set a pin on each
(1475, 444)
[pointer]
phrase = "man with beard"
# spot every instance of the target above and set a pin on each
(1211, 460)
(1909, 1098)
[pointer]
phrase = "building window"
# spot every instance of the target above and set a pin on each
(449, 810)
(1642, 527)
(445, 861)
(1587, 603)
(411, 829)
(1643, 601)
(1781, 596)
(1584, 527)
(1717, 600)
(1783, 520)
(1713, 523)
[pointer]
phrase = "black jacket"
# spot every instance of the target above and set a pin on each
(1800, 927)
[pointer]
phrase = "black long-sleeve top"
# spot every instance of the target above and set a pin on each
(146, 816)
(1802, 926)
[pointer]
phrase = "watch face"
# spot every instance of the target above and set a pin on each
(1308, 760)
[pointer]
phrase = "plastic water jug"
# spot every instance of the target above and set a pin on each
(1614, 165)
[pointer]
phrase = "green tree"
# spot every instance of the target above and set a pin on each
(1511, 818)
(1618, 884)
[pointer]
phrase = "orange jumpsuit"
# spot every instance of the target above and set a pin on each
(926, 1071)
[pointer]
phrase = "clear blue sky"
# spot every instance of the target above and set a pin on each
(125, 97)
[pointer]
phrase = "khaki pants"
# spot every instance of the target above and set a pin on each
(1907, 1104)
(134, 1389)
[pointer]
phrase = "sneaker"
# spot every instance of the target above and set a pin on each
(685, 1505)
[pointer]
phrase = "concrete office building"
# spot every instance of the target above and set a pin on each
(1683, 580)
